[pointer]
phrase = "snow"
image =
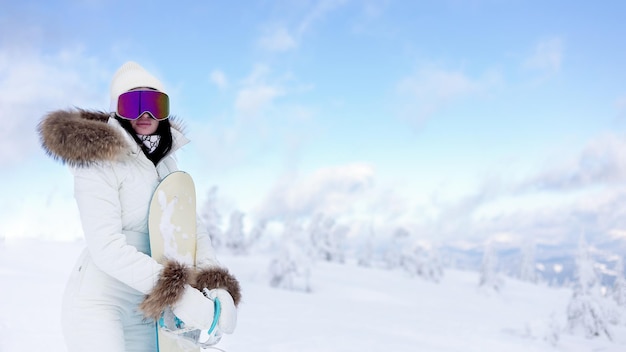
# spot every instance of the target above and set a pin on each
(350, 309)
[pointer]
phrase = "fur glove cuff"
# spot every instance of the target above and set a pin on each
(218, 277)
(169, 289)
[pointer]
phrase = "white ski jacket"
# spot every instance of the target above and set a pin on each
(113, 198)
(114, 182)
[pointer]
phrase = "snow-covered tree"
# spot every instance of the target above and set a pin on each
(618, 291)
(393, 253)
(586, 311)
(528, 266)
(256, 233)
(366, 252)
(422, 260)
(328, 238)
(338, 235)
(553, 333)
(616, 296)
(318, 230)
(212, 218)
(235, 238)
(291, 267)
(548, 329)
(586, 274)
(489, 276)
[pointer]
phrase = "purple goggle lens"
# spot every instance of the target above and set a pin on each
(131, 105)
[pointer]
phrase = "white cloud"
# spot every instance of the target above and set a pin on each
(617, 233)
(438, 84)
(369, 19)
(431, 89)
(584, 192)
(259, 126)
(547, 56)
(332, 190)
(219, 79)
(602, 162)
(278, 39)
(317, 13)
(256, 93)
(374, 9)
(251, 100)
(32, 84)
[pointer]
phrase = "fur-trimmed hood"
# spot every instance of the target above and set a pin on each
(80, 137)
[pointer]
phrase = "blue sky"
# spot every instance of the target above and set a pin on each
(460, 119)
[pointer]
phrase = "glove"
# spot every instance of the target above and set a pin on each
(228, 315)
(194, 309)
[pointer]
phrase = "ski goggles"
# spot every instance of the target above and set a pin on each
(132, 104)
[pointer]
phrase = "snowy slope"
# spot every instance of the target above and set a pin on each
(350, 309)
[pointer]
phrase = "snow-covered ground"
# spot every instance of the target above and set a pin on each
(350, 309)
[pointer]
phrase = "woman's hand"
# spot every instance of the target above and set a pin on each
(228, 315)
(194, 309)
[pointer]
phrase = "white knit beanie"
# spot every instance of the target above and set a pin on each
(131, 75)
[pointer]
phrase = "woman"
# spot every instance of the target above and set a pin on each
(116, 290)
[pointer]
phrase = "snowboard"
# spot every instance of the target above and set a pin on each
(172, 228)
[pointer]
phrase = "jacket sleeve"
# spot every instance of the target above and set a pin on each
(205, 254)
(96, 193)
(209, 272)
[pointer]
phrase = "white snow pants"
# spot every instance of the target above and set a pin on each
(100, 313)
